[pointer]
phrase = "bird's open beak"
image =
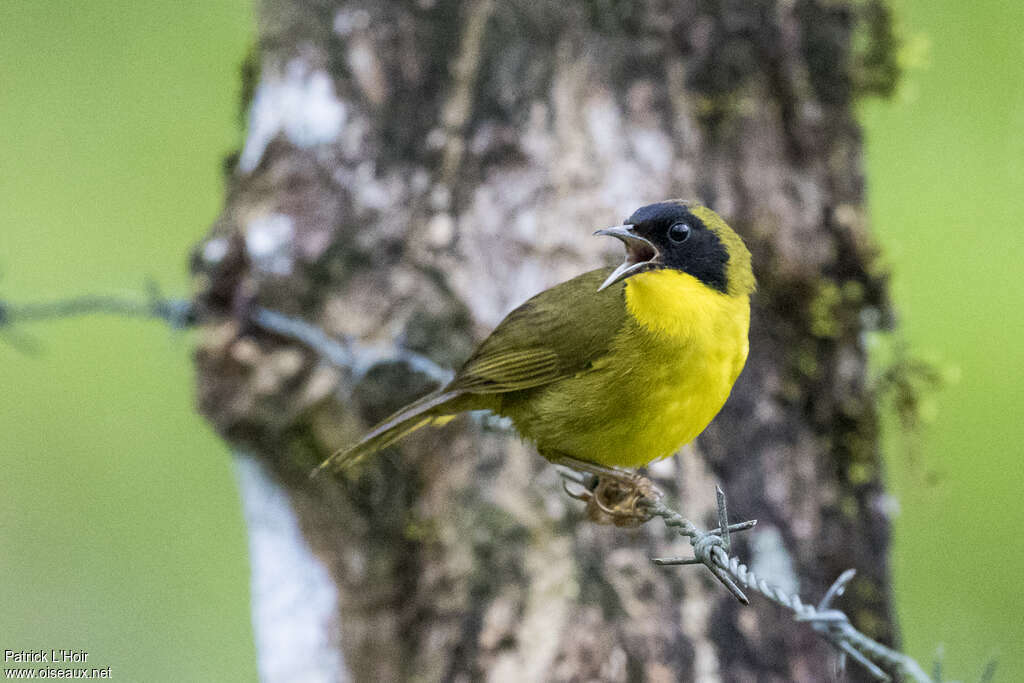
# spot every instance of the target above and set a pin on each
(641, 254)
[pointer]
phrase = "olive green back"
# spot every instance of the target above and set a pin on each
(556, 334)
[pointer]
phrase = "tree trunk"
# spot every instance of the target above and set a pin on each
(413, 171)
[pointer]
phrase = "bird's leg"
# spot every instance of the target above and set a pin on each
(612, 495)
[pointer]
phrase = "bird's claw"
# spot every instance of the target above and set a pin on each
(583, 495)
(612, 495)
(620, 500)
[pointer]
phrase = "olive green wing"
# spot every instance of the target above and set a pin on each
(556, 334)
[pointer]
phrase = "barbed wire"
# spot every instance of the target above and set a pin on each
(178, 313)
(711, 548)
(346, 352)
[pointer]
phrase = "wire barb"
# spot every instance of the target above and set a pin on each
(723, 518)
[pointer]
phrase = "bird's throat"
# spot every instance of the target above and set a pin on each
(672, 303)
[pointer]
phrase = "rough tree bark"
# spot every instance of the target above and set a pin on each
(412, 171)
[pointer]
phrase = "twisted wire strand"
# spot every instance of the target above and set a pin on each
(181, 313)
(347, 352)
(177, 312)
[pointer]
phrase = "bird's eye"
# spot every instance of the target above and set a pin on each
(679, 232)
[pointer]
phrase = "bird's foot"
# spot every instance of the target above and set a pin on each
(613, 496)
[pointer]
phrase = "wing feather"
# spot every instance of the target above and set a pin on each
(509, 371)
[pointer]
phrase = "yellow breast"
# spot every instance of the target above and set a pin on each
(692, 342)
(668, 373)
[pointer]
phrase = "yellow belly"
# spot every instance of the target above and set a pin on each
(669, 372)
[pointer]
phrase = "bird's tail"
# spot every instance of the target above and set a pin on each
(433, 408)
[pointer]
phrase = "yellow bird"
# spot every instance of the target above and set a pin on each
(616, 367)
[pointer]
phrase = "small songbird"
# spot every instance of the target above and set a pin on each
(616, 367)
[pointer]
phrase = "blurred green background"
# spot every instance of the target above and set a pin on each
(119, 520)
(120, 525)
(945, 169)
